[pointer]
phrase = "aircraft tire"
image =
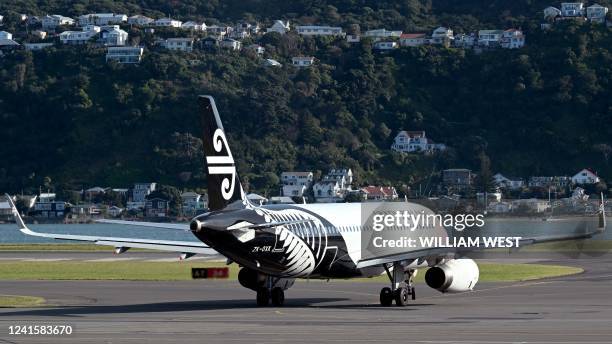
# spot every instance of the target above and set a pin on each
(401, 296)
(278, 297)
(386, 297)
(263, 297)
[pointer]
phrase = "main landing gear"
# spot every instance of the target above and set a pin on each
(402, 286)
(269, 293)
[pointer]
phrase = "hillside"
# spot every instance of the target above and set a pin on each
(545, 109)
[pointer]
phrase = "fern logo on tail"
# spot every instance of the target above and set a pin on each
(222, 164)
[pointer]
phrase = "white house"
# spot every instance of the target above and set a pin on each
(464, 40)
(550, 13)
(194, 26)
(596, 13)
(168, 22)
(142, 190)
(415, 141)
(512, 39)
(193, 203)
(219, 30)
(328, 192)
(572, 9)
(272, 63)
(546, 181)
(140, 20)
(102, 19)
(80, 37)
(302, 61)
(6, 35)
(182, 44)
(53, 21)
(379, 34)
(499, 207)
(279, 26)
(442, 35)
(490, 38)
(315, 30)
(296, 183)
(585, 176)
(353, 38)
(114, 211)
(124, 54)
(231, 44)
(510, 183)
(413, 39)
(385, 45)
(114, 36)
(344, 177)
(39, 34)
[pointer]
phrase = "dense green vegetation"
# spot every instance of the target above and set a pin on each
(542, 110)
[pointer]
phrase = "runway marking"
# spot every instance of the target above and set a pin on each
(110, 259)
(44, 259)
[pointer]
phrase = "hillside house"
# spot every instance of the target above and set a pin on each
(465, 41)
(442, 35)
(168, 22)
(142, 190)
(102, 19)
(510, 183)
(181, 44)
(6, 35)
(596, 13)
(344, 177)
(585, 176)
(53, 21)
(557, 182)
(124, 54)
(353, 38)
(193, 203)
(156, 207)
(39, 34)
(314, 30)
(380, 34)
(551, 13)
(413, 39)
(280, 27)
(140, 20)
(572, 9)
(80, 37)
(490, 38)
(459, 178)
(302, 61)
(272, 63)
(328, 192)
(114, 211)
(85, 210)
(230, 43)
(385, 45)
(257, 199)
(512, 39)
(296, 183)
(415, 142)
(379, 193)
(113, 36)
(258, 49)
(193, 26)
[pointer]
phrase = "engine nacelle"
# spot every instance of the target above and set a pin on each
(253, 280)
(454, 276)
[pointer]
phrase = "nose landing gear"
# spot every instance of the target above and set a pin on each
(402, 286)
(270, 293)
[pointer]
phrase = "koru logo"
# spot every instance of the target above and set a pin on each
(222, 164)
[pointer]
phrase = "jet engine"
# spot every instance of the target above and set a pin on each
(453, 276)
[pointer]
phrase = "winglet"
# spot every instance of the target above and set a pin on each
(22, 226)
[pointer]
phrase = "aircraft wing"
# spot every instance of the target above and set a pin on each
(434, 251)
(123, 243)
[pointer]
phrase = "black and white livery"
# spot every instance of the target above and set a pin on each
(275, 244)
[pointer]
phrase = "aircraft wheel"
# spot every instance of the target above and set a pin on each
(263, 297)
(278, 297)
(401, 296)
(386, 297)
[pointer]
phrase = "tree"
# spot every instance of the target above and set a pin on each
(484, 180)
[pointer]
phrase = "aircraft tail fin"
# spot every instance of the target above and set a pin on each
(223, 183)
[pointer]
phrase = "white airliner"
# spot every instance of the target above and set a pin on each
(275, 244)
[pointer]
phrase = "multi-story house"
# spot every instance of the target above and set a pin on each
(596, 13)
(231, 44)
(219, 30)
(572, 9)
(182, 44)
(512, 39)
(140, 20)
(296, 183)
(328, 192)
(193, 203)
(156, 207)
(280, 27)
(315, 30)
(80, 37)
(490, 38)
(55, 20)
(124, 54)
(142, 190)
(557, 182)
(113, 36)
(442, 35)
(510, 183)
(379, 193)
(415, 141)
(194, 26)
(465, 40)
(379, 34)
(344, 177)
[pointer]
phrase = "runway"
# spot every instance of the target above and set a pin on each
(575, 309)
